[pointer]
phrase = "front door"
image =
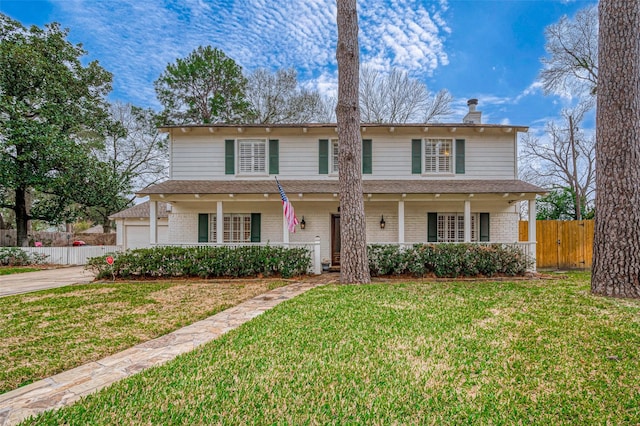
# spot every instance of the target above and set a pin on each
(335, 240)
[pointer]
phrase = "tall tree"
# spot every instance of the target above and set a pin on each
(354, 264)
(49, 103)
(572, 64)
(277, 98)
(616, 248)
(133, 156)
(205, 87)
(397, 98)
(566, 160)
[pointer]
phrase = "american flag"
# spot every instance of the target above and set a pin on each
(287, 208)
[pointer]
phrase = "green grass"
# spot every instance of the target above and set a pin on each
(51, 331)
(8, 270)
(526, 352)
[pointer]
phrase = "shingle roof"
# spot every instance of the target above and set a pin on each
(331, 186)
(140, 210)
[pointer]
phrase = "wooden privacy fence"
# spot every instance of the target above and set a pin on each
(561, 244)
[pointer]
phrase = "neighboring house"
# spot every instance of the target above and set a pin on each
(422, 183)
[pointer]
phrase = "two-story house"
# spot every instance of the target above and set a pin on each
(422, 183)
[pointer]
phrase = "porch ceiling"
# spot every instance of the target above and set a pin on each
(203, 187)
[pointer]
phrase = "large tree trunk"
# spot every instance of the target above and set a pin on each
(354, 264)
(22, 218)
(616, 248)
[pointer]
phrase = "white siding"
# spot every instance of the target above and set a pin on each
(489, 155)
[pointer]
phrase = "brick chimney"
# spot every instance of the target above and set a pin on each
(473, 116)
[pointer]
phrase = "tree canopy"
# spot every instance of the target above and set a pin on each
(277, 98)
(397, 98)
(52, 108)
(206, 87)
(571, 66)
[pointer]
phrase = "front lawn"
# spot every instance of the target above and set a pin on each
(51, 331)
(524, 352)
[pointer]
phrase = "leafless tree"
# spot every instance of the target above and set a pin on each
(616, 248)
(141, 152)
(354, 264)
(566, 159)
(397, 98)
(571, 66)
(135, 155)
(277, 98)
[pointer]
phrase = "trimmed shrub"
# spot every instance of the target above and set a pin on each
(204, 262)
(14, 256)
(447, 260)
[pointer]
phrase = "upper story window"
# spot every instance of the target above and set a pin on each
(328, 154)
(252, 156)
(438, 156)
(334, 155)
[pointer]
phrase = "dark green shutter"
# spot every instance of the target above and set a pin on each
(459, 156)
(432, 227)
(203, 228)
(484, 227)
(229, 158)
(323, 157)
(367, 157)
(255, 227)
(416, 156)
(274, 157)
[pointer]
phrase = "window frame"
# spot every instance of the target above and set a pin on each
(253, 158)
(334, 156)
(434, 158)
(450, 227)
(228, 232)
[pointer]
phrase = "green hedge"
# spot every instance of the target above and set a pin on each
(15, 256)
(448, 260)
(204, 262)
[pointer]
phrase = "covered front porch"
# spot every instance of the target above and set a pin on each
(252, 213)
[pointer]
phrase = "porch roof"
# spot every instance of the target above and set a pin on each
(332, 186)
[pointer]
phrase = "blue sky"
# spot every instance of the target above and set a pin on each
(485, 49)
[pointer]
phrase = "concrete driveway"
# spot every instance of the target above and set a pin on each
(33, 281)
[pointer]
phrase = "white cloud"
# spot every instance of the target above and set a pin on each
(136, 39)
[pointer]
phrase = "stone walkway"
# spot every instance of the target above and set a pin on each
(67, 387)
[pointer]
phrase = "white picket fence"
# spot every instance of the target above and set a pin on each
(71, 255)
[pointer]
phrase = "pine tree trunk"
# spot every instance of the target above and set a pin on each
(616, 248)
(354, 264)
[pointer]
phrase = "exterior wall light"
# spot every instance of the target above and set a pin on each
(382, 222)
(303, 224)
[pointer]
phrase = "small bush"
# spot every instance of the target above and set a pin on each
(204, 262)
(15, 256)
(447, 260)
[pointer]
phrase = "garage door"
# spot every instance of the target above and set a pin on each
(136, 236)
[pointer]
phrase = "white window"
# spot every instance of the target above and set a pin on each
(213, 228)
(334, 155)
(252, 156)
(451, 227)
(237, 228)
(438, 156)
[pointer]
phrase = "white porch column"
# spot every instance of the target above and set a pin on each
(401, 222)
(219, 223)
(467, 221)
(153, 223)
(285, 230)
(532, 231)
